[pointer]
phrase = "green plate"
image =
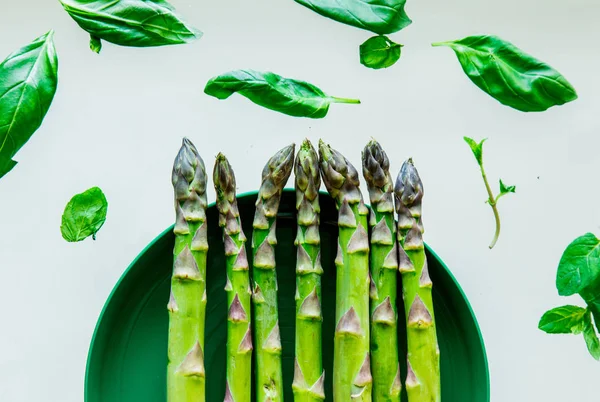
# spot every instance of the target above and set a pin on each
(128, 354)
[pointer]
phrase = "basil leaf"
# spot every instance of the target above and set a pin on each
(504, 189)
(378, 16)
(379, 52)
(591, 338)
(476, 148)
(269, 90)
(28, 79)
(510, 75)
(84, 215)
(579, 265)
(138, 23)
(563, 320)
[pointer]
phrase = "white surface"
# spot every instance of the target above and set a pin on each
(117, 122)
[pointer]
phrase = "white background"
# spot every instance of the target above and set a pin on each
(118, 118)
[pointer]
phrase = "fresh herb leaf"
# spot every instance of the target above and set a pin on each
(579, 265)
(591, 338)
(84, 215)
(28, 80)
(379, 52)
(477, 148)
(269, 90)
(138, 23)
(563, 320)
(504, 189)
(378, 16)
(509, 75)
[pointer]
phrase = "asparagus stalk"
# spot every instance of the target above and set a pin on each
(239, 333)
(269, 379)
(351, 362)
(384, 267)
(423, 360)
(308, 371)
(187, 304)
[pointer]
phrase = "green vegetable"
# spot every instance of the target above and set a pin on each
(384, 268)
(28, 79)
(379, 52)
(378, 16)
(309, 376)
(269, 90)
(186, 374)
(423, 360)
(578, 272)
(510, 75)
(237, 287)
(477, 149)
(269, 377)
(138, 23)
(351, 359)
(84, 215)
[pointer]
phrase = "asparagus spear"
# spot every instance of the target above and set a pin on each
(351, 362)
(269, 379)
(308, 371)
(384, 267)
(239, 334)
(423, 360)
(187, 304)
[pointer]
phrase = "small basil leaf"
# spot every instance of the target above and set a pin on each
(562, 320)
(378, 16)
(579, 265)
(138, 23)
(504, 189)
(84, 215)
(269, 90)
(95, 44)
(591, 338)
(28, 80)
(511, 76)
(477, 148)
(379, 52)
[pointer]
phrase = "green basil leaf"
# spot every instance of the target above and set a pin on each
(579, 265)
(476, 148)
(84, 215)
(562, 320)
(379, 52)
(504, 189)
(28, 79)
(510, 75)
(591, 338)
(269, 90)
(138, 23)
(378, 16)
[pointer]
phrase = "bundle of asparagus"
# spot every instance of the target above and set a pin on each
(366, 362)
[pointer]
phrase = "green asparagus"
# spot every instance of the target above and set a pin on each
(384, 271)
(269, 378)
(187, 304)
(423, 360)
(351, 362)
(239, 333)
(308, 371)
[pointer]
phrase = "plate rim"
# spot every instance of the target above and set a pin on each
(255, 193)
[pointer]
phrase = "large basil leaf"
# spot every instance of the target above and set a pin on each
(579, 265)
(139, 23)
(379, 52)
(510, 75)
(591, 338)
(284, 95)
(28, 79)
(84, 215)
(378, 16)
(563, 320)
